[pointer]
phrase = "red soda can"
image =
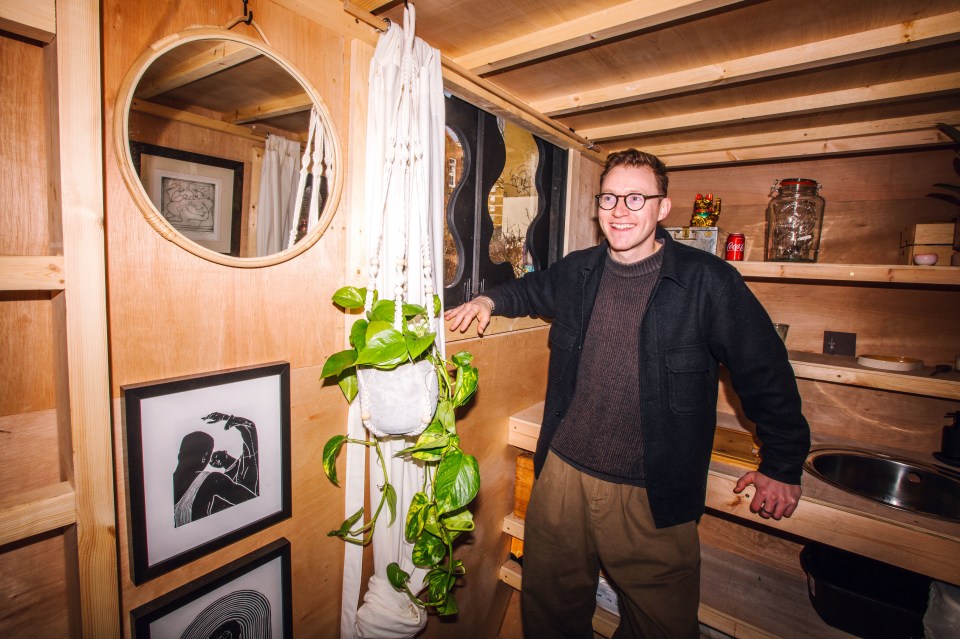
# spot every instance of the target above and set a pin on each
(735, 242)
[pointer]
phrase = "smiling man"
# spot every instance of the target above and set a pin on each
(640, 326)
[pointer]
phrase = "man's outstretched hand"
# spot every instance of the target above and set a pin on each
(479, 308)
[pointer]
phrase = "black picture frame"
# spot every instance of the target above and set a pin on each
(208, 463)
(248, 593)
(199, 163)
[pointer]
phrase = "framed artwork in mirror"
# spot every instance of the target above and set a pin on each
(208, 463)
(249, 597)
(199, 195)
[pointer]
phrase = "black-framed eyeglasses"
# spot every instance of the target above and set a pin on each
(634, 201)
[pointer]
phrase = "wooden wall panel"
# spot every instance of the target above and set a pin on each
(33, 590)
(582, 229)
(513, 375)
(173, 314)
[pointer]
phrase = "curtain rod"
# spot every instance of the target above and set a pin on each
(381, 25)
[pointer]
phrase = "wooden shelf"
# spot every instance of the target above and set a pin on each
(31, 273)
(37, 511)
(841, 369)
(34, 19)
(852, 273)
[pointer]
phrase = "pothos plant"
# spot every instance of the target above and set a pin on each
(438, 513)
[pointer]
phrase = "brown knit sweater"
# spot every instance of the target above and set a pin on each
(600, 434)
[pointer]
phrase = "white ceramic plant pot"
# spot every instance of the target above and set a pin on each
(401, 401)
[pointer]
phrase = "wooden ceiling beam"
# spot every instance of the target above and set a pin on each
(797, 105)
(272, 109)
(628, 17)
(820, 134)
(218, 58)
(858, 46)
(168, 113)
(852, 144)
(33, 19)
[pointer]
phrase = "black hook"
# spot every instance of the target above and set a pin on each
(248, 16)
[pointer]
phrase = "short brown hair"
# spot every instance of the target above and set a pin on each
(637, 159)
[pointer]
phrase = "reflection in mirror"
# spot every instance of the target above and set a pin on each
(229, 144)
(513, 200)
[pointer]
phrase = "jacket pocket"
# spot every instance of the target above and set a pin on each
(688, 377)
(563, 340)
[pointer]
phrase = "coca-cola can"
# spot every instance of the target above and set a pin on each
(735, 242)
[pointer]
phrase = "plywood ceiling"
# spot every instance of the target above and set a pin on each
(714, 81)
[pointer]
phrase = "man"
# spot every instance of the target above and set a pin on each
(198, 492)
(639, 327)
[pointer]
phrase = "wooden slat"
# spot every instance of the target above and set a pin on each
(858, 144)
(31, 273)
(84, 377)
(858, 46)
(37, 511)
(852, 273)
(273, 109)
(34, 19)
(187, 117)
(781, 141)
(224, 55)
(589, 29)
(845, 370)
(873, 94)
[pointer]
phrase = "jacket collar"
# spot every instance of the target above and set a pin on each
(672, 268)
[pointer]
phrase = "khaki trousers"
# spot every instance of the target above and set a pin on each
(577, 524)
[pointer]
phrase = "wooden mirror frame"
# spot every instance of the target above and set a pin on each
(137, 190)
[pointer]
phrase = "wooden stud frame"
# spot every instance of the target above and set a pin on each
(125, 100)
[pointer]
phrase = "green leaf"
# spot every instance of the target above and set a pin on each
(416, 516)
(358, 334)
(416, 345)
(457, 481)
(377, 326)
(383, 311)
(437, 305)
(348, 383)
(346, 525)
(349, 297)
(429, 444)
(428, 550)
(439, 582)
(337, 362)
(430, 524)
(385, 347)
(330, 451)
(467, 380)
(449, 606)
(446, 417)
(391, 496)
(463, 358)
(412, 310)
(396, 576)
(460, 520)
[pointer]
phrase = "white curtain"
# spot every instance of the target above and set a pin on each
(277, 203)
(403, 213)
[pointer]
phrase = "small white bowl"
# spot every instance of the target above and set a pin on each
(925, 259)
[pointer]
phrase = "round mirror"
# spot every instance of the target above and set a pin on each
(227, 150)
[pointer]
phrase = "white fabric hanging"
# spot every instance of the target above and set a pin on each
(276, 204)
(404, 206)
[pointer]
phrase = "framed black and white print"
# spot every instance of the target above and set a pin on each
(198, 195)
(208, 462)
(249, 598)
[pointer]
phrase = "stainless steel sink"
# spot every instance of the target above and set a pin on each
(909, 485)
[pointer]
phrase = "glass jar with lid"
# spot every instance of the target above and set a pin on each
(794, 220)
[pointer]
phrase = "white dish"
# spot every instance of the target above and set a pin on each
(890, 362)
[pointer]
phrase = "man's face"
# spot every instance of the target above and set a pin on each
(631, 233)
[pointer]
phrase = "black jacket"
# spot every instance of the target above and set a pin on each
(701, 314)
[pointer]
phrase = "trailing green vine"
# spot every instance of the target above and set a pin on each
(438, 514)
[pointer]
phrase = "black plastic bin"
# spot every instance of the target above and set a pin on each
(862, 596)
